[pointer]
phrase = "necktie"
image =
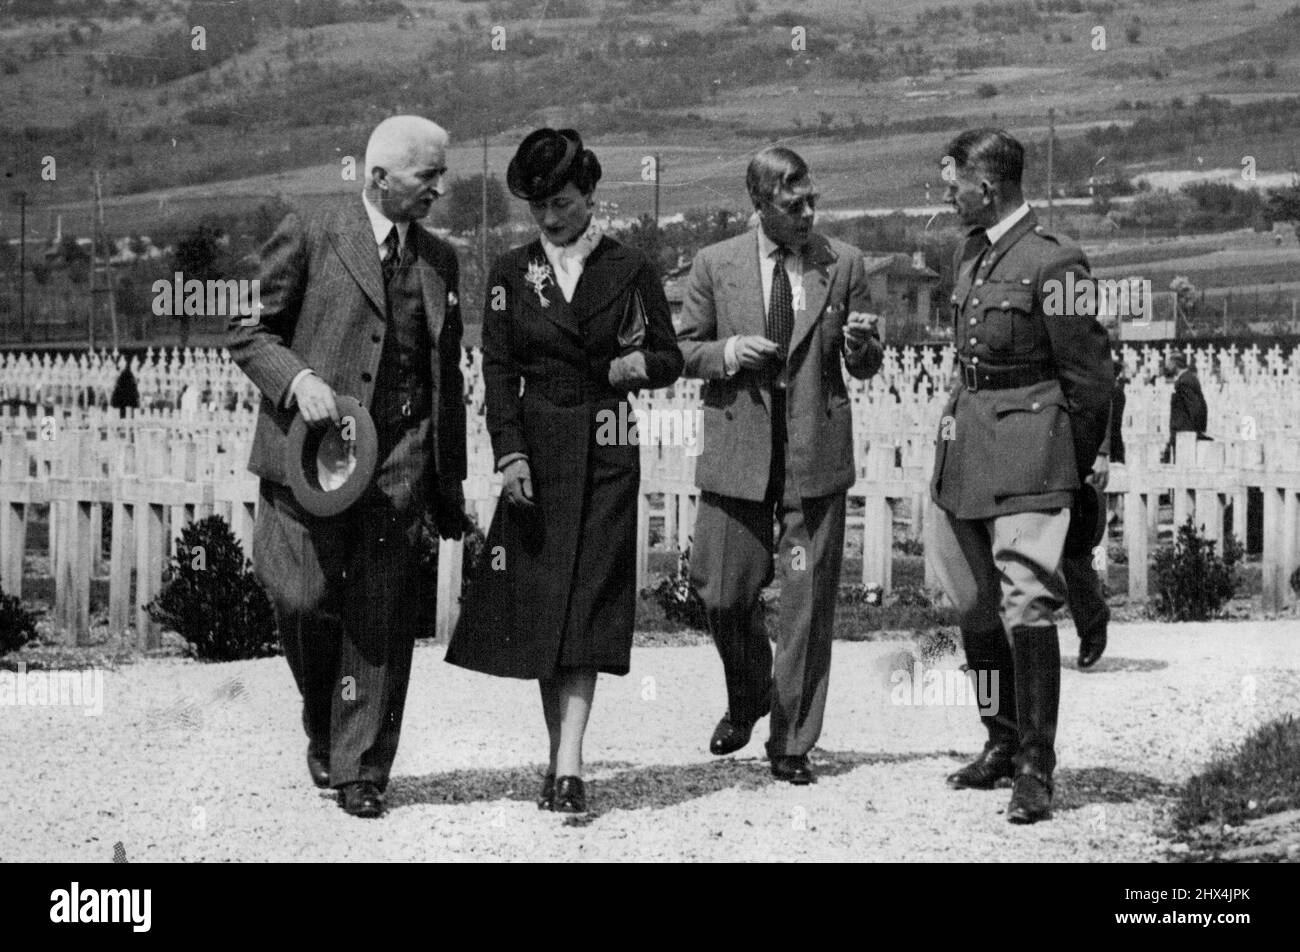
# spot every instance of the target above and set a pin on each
(780, 308)
(390, 255)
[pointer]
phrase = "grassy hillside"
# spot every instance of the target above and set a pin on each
(868, 90)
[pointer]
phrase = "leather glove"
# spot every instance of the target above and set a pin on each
(517, 484)
(629, 371)
(449, 511)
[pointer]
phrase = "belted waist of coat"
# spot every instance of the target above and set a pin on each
(978, 378)
(570, 390)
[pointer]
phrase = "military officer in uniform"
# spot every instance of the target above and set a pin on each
(1017, 442)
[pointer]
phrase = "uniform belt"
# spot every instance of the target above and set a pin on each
(977, 378)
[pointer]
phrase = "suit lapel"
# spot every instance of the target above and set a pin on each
(607, 271)
(1007, 242)
(354, 240)
(432, 286)
(555, 309)
(817, 259)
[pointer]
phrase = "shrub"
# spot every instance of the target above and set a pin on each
(1258, 778)
(986, 90)
(212, 599)
(17, 627)
(1193, 581)
(677, 597)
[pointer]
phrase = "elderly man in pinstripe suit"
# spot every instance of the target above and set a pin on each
(360, 302)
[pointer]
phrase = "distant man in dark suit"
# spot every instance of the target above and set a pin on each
(1016, 442)
(361, 301)
(769, 318)
(1187, 408)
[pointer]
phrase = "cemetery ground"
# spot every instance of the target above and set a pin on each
(204, 762)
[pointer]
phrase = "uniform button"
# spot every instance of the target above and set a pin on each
(974, 341)
(974, 300)
(1035, 405)
(974, 360)
(979, 280)
(953, 299)
(1006, 304)
(974, 321)
(365, 376)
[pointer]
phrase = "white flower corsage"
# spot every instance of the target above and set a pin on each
(539, 274)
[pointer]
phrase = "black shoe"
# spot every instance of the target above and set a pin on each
(792, 768)
(570, 795)
(1091, 647)
(1031, 799)
(361, 799)
(730, 736)
(546, 799)
(983, 773)
(319, 769)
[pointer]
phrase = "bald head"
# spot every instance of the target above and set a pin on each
(406, 158)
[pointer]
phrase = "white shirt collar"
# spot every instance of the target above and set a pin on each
(383, 225)
(576, 251)
(1001, 228)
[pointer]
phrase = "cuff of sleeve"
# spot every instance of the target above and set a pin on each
(730, 362)
(509, 458)
(291, 397)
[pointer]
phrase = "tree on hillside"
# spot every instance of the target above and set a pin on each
(463, 204)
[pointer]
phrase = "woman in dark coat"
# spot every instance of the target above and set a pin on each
(573, 323)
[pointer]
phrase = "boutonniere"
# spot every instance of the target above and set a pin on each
(539, 274)
(452, 300)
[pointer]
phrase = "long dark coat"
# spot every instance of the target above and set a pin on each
(557, 588)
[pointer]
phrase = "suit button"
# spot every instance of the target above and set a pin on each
(1005, 304)
(365, 376)
(974, 341)
(728, 415)
(974, 360)
(974, 321)
(1035, 405)
(974, 300)
(376, 338)
(979, 280)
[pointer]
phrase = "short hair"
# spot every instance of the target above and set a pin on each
(773, 169)
(548, 160)
(395, 141)
(1178, 359)
(995, 152)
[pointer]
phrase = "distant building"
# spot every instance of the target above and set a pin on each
(902, 287)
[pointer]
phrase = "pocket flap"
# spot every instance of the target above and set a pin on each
(1008, 297)
(1019, 402)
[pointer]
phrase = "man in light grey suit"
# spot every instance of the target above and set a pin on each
(360, 301)
(768, 317)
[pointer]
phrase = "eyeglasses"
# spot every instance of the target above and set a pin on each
(798, 206)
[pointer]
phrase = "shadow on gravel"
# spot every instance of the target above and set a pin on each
(1076, 789)
(625, 786)
(1116, 665)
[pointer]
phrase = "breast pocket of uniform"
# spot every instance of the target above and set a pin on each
(1009, 324)
(1032, 429)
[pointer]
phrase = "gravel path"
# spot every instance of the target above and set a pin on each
(205, 762)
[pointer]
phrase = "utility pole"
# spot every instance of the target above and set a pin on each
(1051, 144)
(22, 264)
(108, 261)
(658, 175)
(483, 222)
